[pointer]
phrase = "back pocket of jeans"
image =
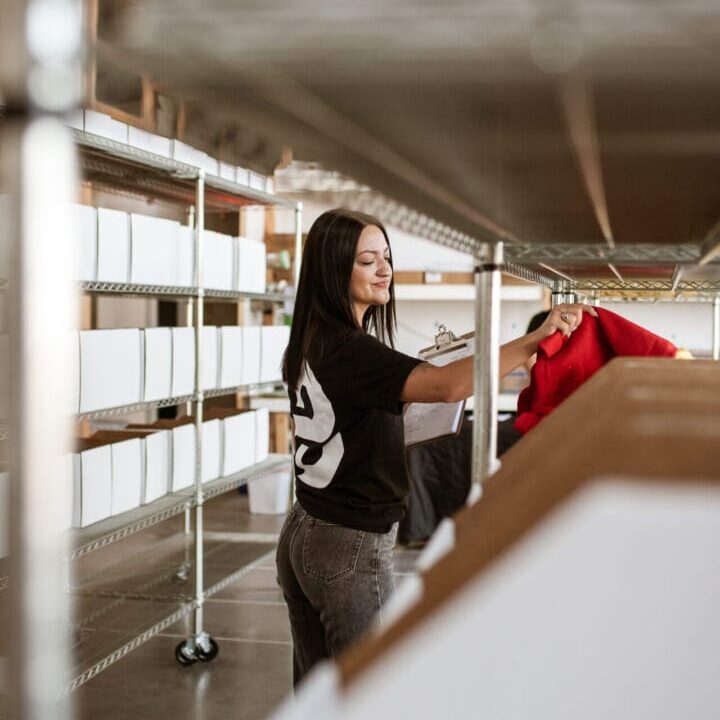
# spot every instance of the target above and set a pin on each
(331, 552)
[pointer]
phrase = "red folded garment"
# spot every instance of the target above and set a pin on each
(565, 363)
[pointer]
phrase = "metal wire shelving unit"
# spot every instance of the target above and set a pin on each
(122, 167)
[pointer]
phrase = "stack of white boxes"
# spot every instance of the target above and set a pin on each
(119, 470)
(101, 124)
(251, 266)
(274, 341)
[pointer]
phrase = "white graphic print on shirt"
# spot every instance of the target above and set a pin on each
(319, 446)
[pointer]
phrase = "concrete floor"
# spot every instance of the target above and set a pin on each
(247, 618)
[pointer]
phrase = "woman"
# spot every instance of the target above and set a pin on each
(347, 387)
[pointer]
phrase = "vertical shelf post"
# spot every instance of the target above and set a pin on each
(487, 361)
(716, 328)
(298, 244)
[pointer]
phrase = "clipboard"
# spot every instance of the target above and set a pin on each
(425, 422)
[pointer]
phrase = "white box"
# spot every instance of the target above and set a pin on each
(254, 222)
(92, 486)
(250, 373)
(238, 442)
(182, 152)
(242, 176)
(230, 349)
(227, 171)
(183, 261)
(157, 380)
(211, 450)
(4, 514)
(257, 181)
(211, 165)
(113, 263)
(127, 474)
(149, 142)
(110, 368)
(87, 233)
(262, 435)
(103, 125)
(158, 461)
(270, 495)
(210, 358)
(219, 260)
(252, 266)
(152, 249)
(274, 341)
(183, 457)
(183, 361)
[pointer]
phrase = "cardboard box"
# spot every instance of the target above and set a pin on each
(157, 377)
(250, 373)
(238, 442)
(110, 368)
(219, 261)
(262, 435)
(242, 176)
(183, 361)
(270, 495)
(153, 245)
(87, 232)
(251, 266)
(227, 171)
(183, 457)
(4, 514)
(183, 260)
(149, 142)
(128, 466)
(231, 357)
(210, 368)
(92, 485)
(113, 263)
(105, 126)
(254, 222)
(158, 463)
(257, 181)
(189, 155)
(274, 341)
(211, 450)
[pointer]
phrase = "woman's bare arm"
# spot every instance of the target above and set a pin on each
(453, 382)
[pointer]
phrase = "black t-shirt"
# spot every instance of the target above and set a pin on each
(348, 435)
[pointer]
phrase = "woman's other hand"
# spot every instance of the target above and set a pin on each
(565, 318)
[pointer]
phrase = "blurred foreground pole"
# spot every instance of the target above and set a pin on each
(40, 71)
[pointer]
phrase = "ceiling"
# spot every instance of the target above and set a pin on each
(526, 120)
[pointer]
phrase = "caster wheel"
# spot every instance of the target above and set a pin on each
(182, 656)
(207, 655)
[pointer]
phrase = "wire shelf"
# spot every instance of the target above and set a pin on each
(106, 157)
(623, 254)
(117, 288)
(100, 535)
(135, 407)
(246, 389)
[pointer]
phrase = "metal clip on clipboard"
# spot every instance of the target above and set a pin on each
(445, 341)
(430, 421)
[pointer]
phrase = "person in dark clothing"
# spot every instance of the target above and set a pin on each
(347, 387)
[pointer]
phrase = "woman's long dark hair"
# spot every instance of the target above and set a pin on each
(323, 306)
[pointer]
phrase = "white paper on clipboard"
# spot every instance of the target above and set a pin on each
(430, 421)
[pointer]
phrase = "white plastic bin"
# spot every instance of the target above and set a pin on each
(270, 495)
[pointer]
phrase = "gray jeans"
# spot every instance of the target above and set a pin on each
(334, 580)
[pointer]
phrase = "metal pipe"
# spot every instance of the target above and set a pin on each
(199, 400)
(557, 294)
(39, 78)
(298, 243)
(716, 328)
(487, 362)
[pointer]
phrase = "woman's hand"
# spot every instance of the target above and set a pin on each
(565, 318)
